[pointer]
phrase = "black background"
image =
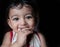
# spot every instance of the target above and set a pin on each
(49, 21)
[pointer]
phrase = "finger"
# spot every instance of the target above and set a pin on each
(27, 31)
(19, 30)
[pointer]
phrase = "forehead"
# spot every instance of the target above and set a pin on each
(20, 11)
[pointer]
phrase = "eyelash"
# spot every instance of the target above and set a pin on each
(16, 19)
(28, 17)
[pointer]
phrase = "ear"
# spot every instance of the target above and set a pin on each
(9, 23)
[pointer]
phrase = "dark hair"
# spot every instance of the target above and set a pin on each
(32, 3)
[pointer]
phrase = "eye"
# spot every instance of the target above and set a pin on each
(16, 19)
(29, 16)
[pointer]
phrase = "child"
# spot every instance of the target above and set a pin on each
(23, 20)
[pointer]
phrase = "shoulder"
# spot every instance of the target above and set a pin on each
(42, 39)
(41, 35)
(7, 35)
(6, 40)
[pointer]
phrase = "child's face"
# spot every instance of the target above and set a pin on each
(21, 19)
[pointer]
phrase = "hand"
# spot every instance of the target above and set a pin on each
(22, 36)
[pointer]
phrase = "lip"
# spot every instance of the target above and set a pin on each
(23, 27)
(20, 29)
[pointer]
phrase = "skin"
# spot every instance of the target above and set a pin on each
(21, 19)
(22, 22)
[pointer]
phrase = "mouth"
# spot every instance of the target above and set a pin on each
(27, 29)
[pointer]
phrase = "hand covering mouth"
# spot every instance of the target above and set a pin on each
(20, 29)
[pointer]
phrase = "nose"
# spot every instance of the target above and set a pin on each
(22, 22)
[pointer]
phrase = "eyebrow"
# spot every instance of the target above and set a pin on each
(13, 16)
(17, 15)
(28, 14)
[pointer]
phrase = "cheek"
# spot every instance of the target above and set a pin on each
(31, 23)
(14, 28)
(14, 25)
